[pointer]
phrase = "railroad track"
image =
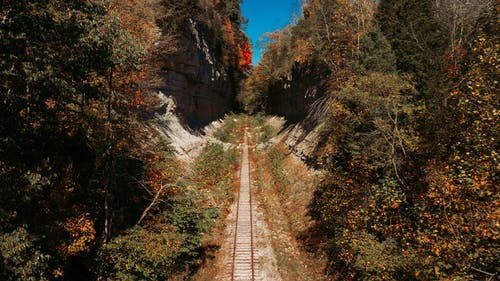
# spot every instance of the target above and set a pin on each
(243, 254)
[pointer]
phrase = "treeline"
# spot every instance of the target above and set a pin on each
(411, 144)
(85, 192)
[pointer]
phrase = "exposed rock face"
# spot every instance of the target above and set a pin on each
(202, 88)
(302, 100)
(294, 96)
(306, 138)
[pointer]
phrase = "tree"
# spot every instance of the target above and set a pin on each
(459, 17)
(329, 26)
(246, 57)
(364, 12)
(20, 259)
(381, 126)
(60, 103)
(361, 201)
(411, 29)
(375, 53)
(460, 203)
(77, 78)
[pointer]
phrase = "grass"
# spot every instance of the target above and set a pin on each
(262, 132)
(284, 189)
(231, 131)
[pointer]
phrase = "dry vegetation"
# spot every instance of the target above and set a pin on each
(231, 132)
(285, 188)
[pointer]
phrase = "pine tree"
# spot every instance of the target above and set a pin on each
(375, 53)
(417, 40)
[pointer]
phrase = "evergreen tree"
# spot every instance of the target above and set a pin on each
(417, 40)
(375, 53)
(419, 43)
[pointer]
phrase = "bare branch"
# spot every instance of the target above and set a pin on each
(154, 201)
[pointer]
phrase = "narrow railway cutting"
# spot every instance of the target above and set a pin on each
(243, 256)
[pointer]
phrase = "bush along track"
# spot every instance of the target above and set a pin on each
(176, 235)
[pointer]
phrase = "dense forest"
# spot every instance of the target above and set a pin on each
(411, 135)
(87, 192)
(404, 93)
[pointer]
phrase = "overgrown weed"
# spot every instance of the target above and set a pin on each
(262, 132)
(284, 189)
(230, 131)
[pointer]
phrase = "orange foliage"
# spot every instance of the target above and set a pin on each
(161, 170)
(136, 18)
(245, 61)
(229, 33)
(81, 235)
(304, 50)
(130, 84)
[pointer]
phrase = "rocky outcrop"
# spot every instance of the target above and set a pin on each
(293, 97)
(196, 79)
(306, 137)
(302, 100)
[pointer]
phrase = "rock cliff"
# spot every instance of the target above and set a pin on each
(302, 100)
(293, 97)
(196, 79)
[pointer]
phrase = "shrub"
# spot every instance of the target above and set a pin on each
(230, 130)
(141, 254)
(280, 177)
(213, 166)
(376, 260)
(160, 250)
(262, 131)
(19, 259)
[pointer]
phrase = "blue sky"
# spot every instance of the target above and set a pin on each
(266, 16)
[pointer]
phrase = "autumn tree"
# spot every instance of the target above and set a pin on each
(409, 145)
(77, 79)
(364, 11)
(321, 42)
(54, 64)
(459, 18)
(459, 211)
(273, 66)
(62, 123)
(246, 57)
(329, 28)
(440, 219)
